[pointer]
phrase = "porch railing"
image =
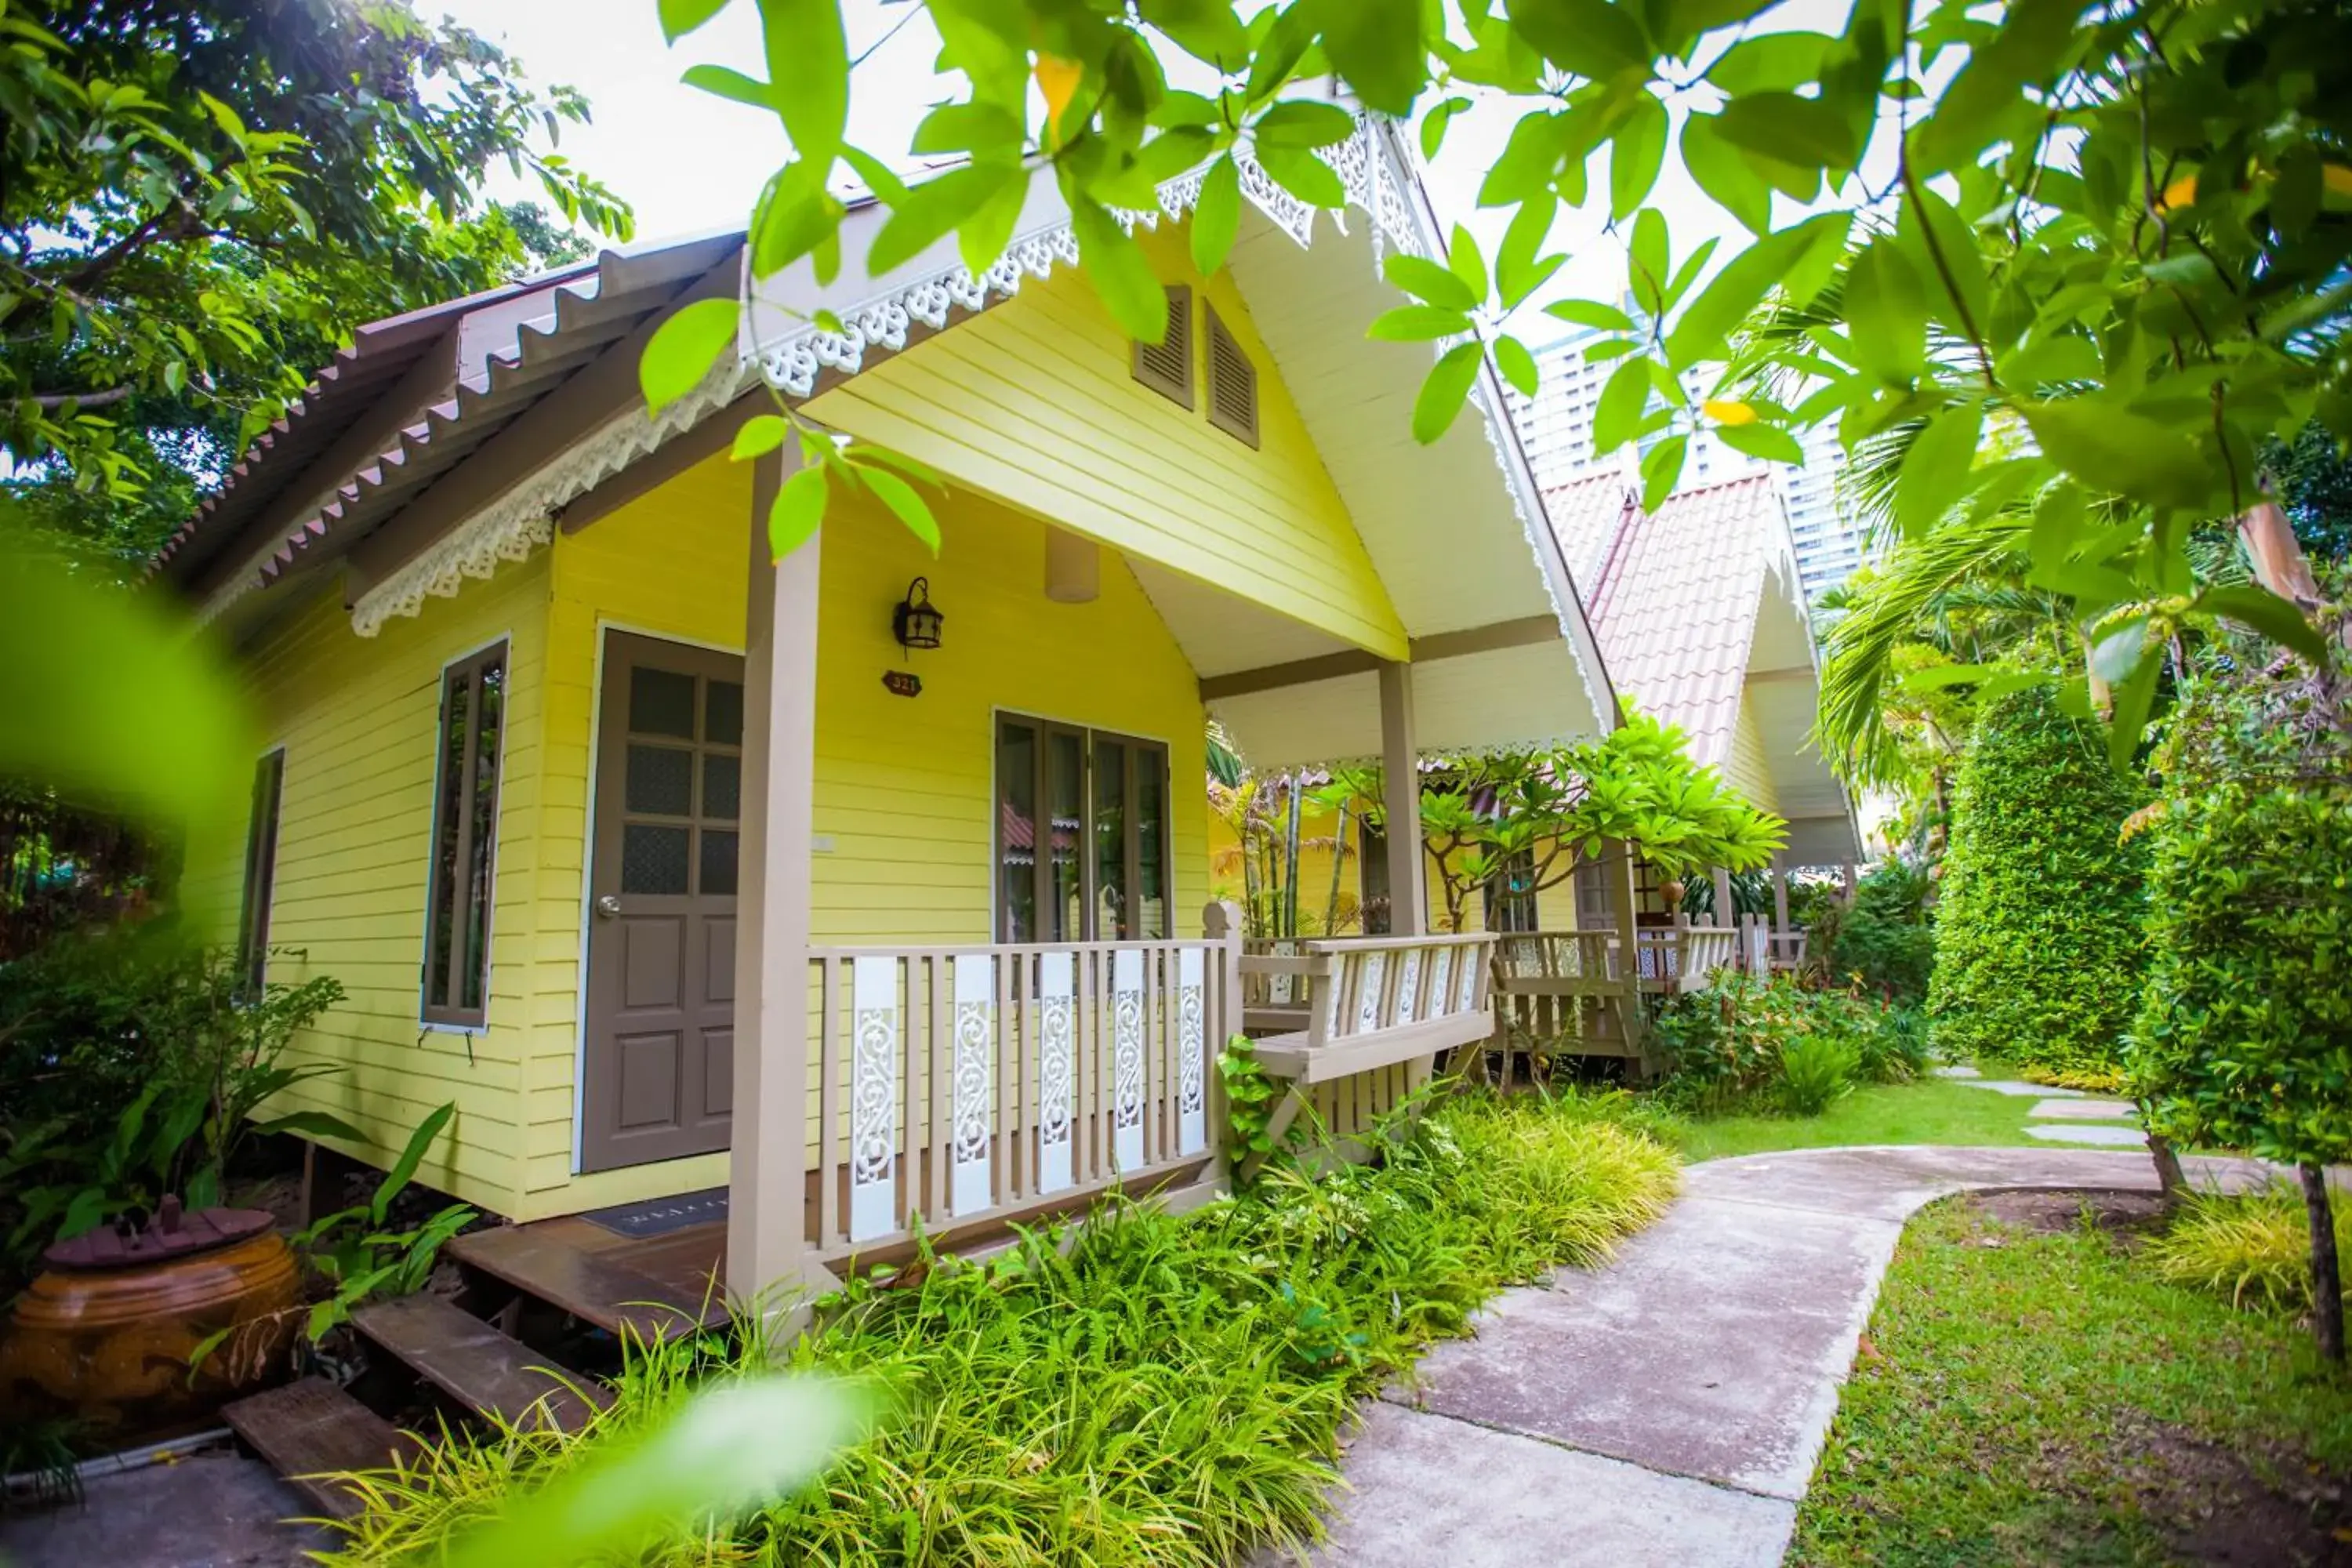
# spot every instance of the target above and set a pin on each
(1685, 957)
(1360, 1005)
(957, 1084)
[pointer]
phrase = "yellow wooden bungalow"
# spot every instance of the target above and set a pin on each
(867, 888)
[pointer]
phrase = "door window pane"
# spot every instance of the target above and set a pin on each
(723, 787)
(661, 780)
(1016, 833)
(717, 862)
(722, 713)
(661, 703)
(654, 858)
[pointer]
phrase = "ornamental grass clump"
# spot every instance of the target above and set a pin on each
(1169, 1391)
(2254, 1249)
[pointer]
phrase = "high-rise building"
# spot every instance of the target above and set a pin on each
(1556, 428)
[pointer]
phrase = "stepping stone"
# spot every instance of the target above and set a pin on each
(1963, 1071)
(2086, 1110)
(2112, 1137)
(2012, 1086)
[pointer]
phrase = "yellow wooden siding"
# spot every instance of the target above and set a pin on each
(904, 787)
(1745, 769)
(359, 720)
(1034, 403)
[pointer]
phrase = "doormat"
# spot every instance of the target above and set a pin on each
(659, 1216)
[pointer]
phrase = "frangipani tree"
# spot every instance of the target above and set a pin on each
(2123, 228)
(1530, 815)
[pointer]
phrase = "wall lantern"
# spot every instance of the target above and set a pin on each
(915, 621)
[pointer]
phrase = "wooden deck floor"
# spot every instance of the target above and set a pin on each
(657, 1284)
(647, 1284)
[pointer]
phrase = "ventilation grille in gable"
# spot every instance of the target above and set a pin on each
(1232, 384)
(1166, 366)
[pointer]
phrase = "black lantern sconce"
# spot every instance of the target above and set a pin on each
(915, 621)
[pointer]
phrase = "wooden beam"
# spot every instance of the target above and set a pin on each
(1526, 631)
(1492, 637)
(1298, 672)
(767, 1240)
(1792, 672)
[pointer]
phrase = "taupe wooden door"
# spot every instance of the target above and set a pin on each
(660, 1054)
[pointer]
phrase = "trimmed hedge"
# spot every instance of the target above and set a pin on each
(2038, 952)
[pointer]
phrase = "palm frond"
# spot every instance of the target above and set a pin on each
(1882, 613)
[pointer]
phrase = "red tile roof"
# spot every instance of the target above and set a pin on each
(1674, 594)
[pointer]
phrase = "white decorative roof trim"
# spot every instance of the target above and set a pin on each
(792, 362)
(523, 519)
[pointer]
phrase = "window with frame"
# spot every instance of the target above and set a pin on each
(456, 977)
(261, 870)
(1372, 879)
(1511, 894)
(1082, 843)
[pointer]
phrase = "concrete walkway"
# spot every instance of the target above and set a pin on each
(1668, 1409)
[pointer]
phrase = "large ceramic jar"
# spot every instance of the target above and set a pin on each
(105, 1335)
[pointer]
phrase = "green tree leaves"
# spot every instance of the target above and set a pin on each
(684, 348)
(1441, 395)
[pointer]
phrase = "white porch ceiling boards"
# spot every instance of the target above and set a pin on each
(1531, 694)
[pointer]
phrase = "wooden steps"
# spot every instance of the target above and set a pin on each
(654, 1288)
(475, 1364)
(309, 1427)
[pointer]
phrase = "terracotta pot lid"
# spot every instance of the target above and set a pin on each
(170, 1234)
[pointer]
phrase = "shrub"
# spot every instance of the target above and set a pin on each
(1883, 942)
(2038, 947)
(2245, 1039)
(2255, 1250)
(131, 1066)
(1728, 1043)
(1816, 1072)
(1169, 1392)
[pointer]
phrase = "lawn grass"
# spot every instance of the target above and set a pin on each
(1930, 1110)
(2045, 1398)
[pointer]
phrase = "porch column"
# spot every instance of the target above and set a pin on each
(767, 1237)
(1400, 802)
(1723, 915)
(1779, 892)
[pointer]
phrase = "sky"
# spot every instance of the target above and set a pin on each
(691, 163)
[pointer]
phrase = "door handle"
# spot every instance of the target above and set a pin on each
(608, 907)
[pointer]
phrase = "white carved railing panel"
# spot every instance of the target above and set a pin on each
(1126, 1058)
(971, 1155)
(1372, 974)
(1408, 994)
(1191, 1052)
(1057, 1072)
(1441, 981)
(874, 1067)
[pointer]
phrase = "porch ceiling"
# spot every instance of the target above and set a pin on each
(1529, 694)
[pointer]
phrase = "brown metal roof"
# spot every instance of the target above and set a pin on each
(509, 348)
